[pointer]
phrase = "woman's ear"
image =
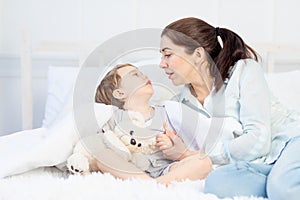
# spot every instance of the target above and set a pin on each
(119, 94)
(199, 55)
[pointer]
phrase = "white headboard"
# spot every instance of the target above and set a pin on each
(279, 58)
(30, 48)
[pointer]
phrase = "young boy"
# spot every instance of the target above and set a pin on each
(130, 90)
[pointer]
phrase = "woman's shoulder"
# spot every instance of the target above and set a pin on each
(246, 67)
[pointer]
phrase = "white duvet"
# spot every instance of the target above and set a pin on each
(30, 149)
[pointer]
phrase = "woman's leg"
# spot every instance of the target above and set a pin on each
(284, 178)
(238, 179)
(192, 167)
(109, 162)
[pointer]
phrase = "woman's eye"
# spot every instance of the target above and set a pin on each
(167, 55)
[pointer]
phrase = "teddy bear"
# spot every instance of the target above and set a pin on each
(127, 144)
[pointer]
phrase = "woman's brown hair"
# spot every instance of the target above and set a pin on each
(109, 83)
(192, 33)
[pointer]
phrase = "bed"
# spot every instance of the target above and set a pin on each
(35, 181)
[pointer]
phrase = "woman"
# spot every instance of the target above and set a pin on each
(222, 77)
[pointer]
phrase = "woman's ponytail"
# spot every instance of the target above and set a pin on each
(233, 49)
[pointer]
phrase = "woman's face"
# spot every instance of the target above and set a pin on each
(178, 65)
(134, 83)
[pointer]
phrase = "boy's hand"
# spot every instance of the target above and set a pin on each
(163, 142)
(178, 150)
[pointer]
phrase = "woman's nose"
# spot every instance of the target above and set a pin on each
(163, 64)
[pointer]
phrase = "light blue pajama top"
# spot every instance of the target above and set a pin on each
(245, 96)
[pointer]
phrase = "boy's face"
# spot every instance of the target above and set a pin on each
(134, 82)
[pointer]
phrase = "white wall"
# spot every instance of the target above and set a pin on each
(257, 21)
(287, 24)
(1, 22)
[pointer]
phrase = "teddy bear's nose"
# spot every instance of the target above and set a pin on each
(132, 141)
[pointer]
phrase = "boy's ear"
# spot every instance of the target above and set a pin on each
(119, 94)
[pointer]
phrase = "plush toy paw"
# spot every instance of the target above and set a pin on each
(82, 160)
(78, 164)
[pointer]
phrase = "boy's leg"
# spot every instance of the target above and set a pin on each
(109, 162)
(192, 167)
(238, 179)
(284, 178)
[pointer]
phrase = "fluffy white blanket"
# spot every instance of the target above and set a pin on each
(46, 184)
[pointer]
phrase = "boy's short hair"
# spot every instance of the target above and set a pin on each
(109, 83)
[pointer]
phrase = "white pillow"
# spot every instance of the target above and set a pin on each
(103, 113)
(286, 86)
(61, 82)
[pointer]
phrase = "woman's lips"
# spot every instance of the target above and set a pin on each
(169, 75)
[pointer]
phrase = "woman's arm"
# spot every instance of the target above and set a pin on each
(255, 115)
(253, 107)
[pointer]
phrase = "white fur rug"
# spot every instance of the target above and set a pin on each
(46, 184)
